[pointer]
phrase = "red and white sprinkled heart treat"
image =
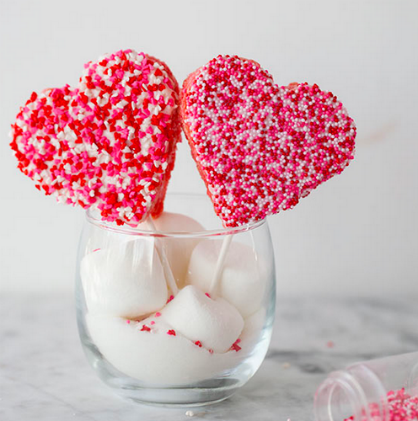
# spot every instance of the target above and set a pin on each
(109, 144)
(260, 147)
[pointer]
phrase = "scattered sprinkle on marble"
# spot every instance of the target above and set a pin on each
(286, 365)
(330, 344)
(189, 414)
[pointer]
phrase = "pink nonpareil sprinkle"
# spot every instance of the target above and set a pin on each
(128, 321)
(157, 314)
(260, 147)
(170, 299)
(401, 407)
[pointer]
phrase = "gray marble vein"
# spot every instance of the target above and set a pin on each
(44, 375)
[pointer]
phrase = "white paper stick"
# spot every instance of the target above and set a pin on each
(163, 257)
(213, 289)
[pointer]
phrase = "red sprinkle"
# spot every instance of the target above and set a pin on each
(235, 346)
(170, 299)
(145, 328)
(171, 332)
(198, 343)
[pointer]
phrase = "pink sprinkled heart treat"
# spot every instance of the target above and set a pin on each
(260, 147)
(110, 143)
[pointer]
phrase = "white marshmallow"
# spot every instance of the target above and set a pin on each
(215, 323)
(126, 280)
(253, 329)
(155, 357)
(243, 279)
(178, 251)
(177, 222)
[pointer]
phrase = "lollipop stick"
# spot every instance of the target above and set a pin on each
(163, 257)
(220, 265)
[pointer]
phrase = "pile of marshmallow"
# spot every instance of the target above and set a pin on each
(147, 333)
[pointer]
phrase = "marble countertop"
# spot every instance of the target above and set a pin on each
(44, 375)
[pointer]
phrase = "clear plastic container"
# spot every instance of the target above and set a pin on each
(176, 340)
(361, 390)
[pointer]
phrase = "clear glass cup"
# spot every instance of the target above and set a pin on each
(162, 318)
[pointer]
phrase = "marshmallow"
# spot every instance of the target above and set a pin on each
(253, 329)
(126, 280)
(177, 222)
(243, 278)
(214, 323)
(156, 357)
(178, 251)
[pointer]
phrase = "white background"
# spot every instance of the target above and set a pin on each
(355, 235)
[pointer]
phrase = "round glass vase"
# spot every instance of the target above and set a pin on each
(177, 314)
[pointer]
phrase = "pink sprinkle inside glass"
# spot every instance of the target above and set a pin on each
(179, 312)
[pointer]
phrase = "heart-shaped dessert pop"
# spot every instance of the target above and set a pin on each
(109, 144)
(260, 147)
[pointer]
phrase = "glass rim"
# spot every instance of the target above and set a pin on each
(94, 218)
